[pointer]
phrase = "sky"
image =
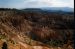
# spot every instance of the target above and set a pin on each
(36, 3)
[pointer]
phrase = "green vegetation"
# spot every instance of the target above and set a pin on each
(2, 36)
(55, 43)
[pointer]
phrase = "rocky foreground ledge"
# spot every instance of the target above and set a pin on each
(26, 46)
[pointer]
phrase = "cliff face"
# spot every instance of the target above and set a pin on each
(36, 28)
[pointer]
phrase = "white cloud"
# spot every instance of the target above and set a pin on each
(39, 3)
(49, 3)
(59, 3)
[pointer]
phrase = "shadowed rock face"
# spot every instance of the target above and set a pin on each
(46, 34)
(4, 45)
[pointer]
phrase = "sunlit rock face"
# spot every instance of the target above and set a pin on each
(29, 29)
